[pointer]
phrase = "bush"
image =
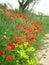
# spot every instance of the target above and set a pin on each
(18, 54)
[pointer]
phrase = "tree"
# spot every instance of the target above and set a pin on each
(24, 3)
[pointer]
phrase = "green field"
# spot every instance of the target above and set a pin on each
(25, 31)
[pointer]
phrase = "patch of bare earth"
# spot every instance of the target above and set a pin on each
(43, 53)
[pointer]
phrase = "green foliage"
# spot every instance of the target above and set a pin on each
(26, 55)
(22, 55)
(3, 6)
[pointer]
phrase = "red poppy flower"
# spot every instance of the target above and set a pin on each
(27, 37)
(5, 38)
(26, 34)
(15, 15)
(2, 52)
(31, 38)
(10, 17)
(37, 47)
(36, 27)
(15, 38)
(30, 29)
(11, 46)
(24, 27)
(9, 57)
(19, 43)
(16, 29)
(20, 16)
(6, 10)
(22, 31)
(33, 33)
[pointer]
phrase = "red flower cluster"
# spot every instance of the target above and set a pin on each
(17, 16)
(17, 38)
(19, 43)
(11, 46)
(9, 57)
(30, 29)
(2, 52)
(10, 17)
(37, 27)
(8, 10)
(25, 29)
(31, 38)
(22, 31)
(16, 29)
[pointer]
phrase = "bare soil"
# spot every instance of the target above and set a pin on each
(43, 53)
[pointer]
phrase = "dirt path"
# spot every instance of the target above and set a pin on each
(43, 54)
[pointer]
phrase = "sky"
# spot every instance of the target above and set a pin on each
(42, 6)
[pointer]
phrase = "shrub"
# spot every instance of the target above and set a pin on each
(20, 54)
